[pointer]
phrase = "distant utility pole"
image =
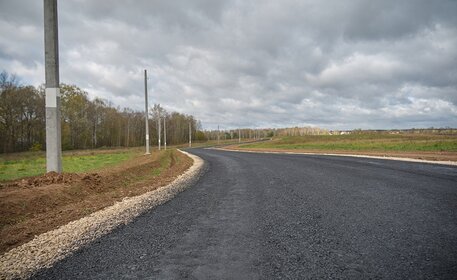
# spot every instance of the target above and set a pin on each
(146, 116)
(165, 131)
(190, 134)
(218, 135)
(51, 58)
(239, 135)
(128, 130)
(159, 128)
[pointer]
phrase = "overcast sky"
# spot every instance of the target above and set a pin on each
(332, 64)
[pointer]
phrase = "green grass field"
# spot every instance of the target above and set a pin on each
(32, 164)
(363, 142)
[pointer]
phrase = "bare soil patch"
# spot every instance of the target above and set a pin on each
(35, 205)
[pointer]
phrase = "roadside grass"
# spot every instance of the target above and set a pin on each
(77, 164)
(165, 161)
(32, 164)
(363, 142)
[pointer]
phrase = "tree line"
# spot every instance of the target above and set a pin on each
(261, 133)
(96, 123)
(85, 123)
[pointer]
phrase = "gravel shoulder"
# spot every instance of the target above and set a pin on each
(46, 249)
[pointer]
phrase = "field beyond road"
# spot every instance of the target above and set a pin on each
(419, 146)
(97, 179)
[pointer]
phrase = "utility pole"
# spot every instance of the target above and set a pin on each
(146, 114)
(239, 135)
(190, 134)
(128, 130)
(160, 136)
(165, 132)
(51, 58)
(218, 135)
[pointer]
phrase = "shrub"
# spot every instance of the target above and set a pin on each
(36, 147)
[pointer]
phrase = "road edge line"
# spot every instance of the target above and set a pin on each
(50, 247)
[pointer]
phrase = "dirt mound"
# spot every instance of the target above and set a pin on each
(54, 178)
(38, 204)
(92, 178)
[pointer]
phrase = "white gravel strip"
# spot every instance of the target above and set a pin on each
(343, 155)
(48, 248)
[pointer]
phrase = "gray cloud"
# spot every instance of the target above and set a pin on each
(334, 64)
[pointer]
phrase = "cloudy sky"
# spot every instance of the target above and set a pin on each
(241, 63)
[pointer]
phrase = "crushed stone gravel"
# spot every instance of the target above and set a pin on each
(48, 248)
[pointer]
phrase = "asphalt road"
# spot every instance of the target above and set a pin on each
(271, 216)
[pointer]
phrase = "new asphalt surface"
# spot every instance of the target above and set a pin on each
(273, 216)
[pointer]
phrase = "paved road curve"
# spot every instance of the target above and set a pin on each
(270, 216)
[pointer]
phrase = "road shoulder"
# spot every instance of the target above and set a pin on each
(48, 248)
(267, 151)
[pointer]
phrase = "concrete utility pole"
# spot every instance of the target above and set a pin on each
(146, 114)
(128, 130)
(218, 135)
(160, 136)
(51, 58)
(165, 132)
(190, 134)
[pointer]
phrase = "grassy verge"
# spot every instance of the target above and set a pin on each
(167, 158)
(33, 164)
(362, 142)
